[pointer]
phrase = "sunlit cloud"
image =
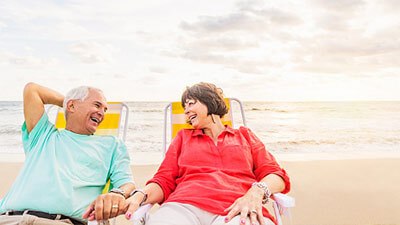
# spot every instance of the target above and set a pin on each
(262, 50)
(26, 61)
(158, 69)
(92, 52)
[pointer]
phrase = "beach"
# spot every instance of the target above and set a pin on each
(343, 158)
(347, 191)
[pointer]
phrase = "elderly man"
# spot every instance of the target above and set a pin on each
(65, 170)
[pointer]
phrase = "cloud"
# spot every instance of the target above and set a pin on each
(392, 6)
(148, 80)
(242, 40)
(240, 64)
(352, 53)
(158, 69)
(213, 24)
(26, 61)
(167, 43)
(92, 52)
(320, 36)
(274, 16)
(67, 30)
(2, 25)
(220, 44)
(339, 6)
(246, 19)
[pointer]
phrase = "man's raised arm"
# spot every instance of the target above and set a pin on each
(35, 97)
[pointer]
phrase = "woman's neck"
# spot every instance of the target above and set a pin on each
(215, 129)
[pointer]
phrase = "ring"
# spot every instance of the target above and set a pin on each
(253, 211)
(114, 206)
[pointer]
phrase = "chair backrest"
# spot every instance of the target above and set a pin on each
(114, 123)
(177, 120)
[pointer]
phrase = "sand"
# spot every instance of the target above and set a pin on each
(327, 192)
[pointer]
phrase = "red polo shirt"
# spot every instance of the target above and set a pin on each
(211, 177)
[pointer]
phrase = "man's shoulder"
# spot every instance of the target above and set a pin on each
(107, 139)
(92, 139)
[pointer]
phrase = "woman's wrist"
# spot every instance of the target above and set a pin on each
(141, 192)
(266, 192)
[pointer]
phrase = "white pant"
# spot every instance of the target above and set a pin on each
(173, 213)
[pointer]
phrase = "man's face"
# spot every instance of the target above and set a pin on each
(88, 114)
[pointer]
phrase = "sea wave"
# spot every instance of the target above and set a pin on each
(12, 130)
(304, 142)
(288, 127)
(269, 109)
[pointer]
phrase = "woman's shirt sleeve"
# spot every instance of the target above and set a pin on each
(169, 169)
(264, 161)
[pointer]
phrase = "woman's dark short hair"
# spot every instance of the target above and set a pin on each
(209, 95)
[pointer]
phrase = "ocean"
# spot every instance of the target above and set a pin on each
(284, 127)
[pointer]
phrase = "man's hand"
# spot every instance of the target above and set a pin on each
(35, 97)
(106, 206)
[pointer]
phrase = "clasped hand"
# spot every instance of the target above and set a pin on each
(105, 206)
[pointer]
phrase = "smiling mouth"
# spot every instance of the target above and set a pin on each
(96, 120)
(191, 118)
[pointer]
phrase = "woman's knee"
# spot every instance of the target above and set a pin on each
(172, 214)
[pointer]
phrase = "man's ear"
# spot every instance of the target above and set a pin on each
(70, 106)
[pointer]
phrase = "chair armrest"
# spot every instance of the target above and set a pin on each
(139, 216)
(282, 204)
(284, 200)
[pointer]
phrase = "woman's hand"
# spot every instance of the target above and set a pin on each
(250, 205)
(133, 203)
(151, 194)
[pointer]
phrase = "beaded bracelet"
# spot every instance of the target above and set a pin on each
(267, 192)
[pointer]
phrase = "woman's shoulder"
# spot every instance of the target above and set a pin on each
(246, 132)
(244, 129)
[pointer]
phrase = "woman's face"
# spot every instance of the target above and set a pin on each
(196, 114)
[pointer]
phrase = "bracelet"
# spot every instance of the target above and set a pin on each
(267, 192)
(140, 191)
(118, 191)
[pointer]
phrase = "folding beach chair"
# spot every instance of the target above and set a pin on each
(174, 121)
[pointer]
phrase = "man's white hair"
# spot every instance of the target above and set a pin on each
(78, 93)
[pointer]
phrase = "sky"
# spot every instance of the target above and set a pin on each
(258, 50)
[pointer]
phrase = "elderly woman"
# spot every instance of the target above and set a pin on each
(212, 174)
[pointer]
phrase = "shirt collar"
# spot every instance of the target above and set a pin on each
(200, 132)
(229, 129)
